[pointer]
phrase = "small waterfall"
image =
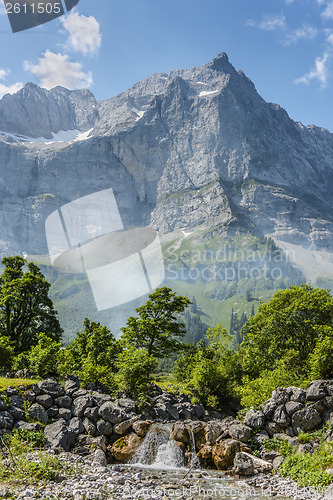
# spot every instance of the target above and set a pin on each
(159, 450)
(195, 462)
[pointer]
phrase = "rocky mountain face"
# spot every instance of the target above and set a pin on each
(35, 112)
(188, 151)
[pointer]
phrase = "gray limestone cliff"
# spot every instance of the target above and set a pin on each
(193, 149)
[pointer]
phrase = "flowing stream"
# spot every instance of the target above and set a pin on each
(160, 458)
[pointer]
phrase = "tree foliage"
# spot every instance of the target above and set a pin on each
(134, 370)
(295, 320)
(25, 307)
(157, 328)
(43, 357)
(6, 352)
(92, 352)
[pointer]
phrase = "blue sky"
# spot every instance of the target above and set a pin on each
(284, 46)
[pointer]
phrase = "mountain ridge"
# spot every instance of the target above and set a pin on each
(191, 149)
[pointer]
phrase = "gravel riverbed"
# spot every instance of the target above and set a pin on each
(95, 482)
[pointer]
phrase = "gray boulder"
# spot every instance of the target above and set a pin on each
(27, 426)
(36, 390)
(241, 432)
(111, 412)
(10, 391)
(89, 426)
(64, 401)
(104, 427)
(99, 457)
(328, 402)
(91, 413)
(76, 425)
(243, 464)
(64, 413)
(255, 419)
(51, 387)
(278, 461)
(297, 394)
(72, 385)
(37, 412)
(59, 435)
(45, 400)
(316, 390)
(305, 420)
(281, 417)
(269, 409)
(198, 410)
(272, 428)
(17, 413)
(6, 420)
(261, 437)
(80, 404)
(3, 405)
(185, 410)
(53, 411)
(93, 442)
(30, 396)
(172, 411)
(280, 395)
(17, 401)
(180, 432)
(129, 405)
(213, 431)
(292, 407)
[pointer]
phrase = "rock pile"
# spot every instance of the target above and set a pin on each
(81, 420)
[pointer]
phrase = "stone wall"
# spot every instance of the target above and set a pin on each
(81, 420)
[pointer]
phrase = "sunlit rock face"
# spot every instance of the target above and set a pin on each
(194, 149)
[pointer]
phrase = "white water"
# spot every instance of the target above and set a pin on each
(195, 462)
(159, 450)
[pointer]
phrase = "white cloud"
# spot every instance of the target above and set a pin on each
(320, 72)
(8, 89)
(4, 73)
(329, 38)
(56, 69)
(269, 23)
(327, 13)
(288, 2)
(84, 33)
(306, 32)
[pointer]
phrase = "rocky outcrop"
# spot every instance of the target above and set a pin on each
(194, 149)
(293, 410)
(114, 429)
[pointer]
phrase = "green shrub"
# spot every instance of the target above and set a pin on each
(17, 464)
(21, 361)
(43, 356)
(255, 392)
(6, 352)
(135, 368)
(304, 438)
(321, 360)
(209, 381)
(95, 345)
(97, 374)
(283, 447)
(307, 470)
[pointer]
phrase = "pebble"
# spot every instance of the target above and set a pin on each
(103, 483)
